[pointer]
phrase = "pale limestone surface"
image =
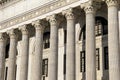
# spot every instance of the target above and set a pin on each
(80, 46)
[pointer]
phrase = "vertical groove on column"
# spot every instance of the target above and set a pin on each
(90, 44)
(70, 48)
(53, 55)
(113, 40)
(24, 53)
(37, 68)
(12, 55)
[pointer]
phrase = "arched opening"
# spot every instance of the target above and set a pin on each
(101, 28)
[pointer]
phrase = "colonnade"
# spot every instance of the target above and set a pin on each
(90, 10)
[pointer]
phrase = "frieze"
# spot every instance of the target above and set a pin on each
(35, 13)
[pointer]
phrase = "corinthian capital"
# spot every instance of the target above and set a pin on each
(89, 9)
(11, 33)
(24, 29)
(68, 13)
(39, 25)
(112, 3)
(52, 19)
(91, 6)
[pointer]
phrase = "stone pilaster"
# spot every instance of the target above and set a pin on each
(70, 48)
(90, 43)
(53, 55)
(37, 68)
(2, 56)
(12, 55)
(24, 53)
(113, 40)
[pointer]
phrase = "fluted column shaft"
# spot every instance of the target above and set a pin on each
(53, 55)
(37, 72)
(12, 56)
(24, 53)
(2, 56)
(90, 43)
(70, 48)
(113, 40)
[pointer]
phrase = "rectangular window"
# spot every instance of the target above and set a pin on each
(98, 29)
(6, 72)
(64, 64)
(45, 67)
(106, 64)
(97, 59)
(46, 40)
(82, 61)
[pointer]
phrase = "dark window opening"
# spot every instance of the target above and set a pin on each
(105, 29)
(64, 64)
(98, 28)
(82, 61)
(46, 40)
(101, 26)
(106, 64)
(45, 67)
(7, 51)
(97, 59)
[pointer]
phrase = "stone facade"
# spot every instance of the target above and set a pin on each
(60, 40)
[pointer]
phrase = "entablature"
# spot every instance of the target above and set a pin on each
(40, 13)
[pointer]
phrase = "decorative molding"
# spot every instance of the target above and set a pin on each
(39, 25)
(35, 13)
(11, 33)
(91, 6)
(52, 20)
(68, 13)
(89, 9)
(112, 3)
(24, 29)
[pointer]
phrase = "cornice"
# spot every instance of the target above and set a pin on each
(35, 13)
(8, 3)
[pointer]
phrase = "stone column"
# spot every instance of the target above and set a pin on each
(113, 40)
(12, 55)
(37, 68)
(2, 56)
(90, 43)
(53, 55)
(24, 53)
(70, 46)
